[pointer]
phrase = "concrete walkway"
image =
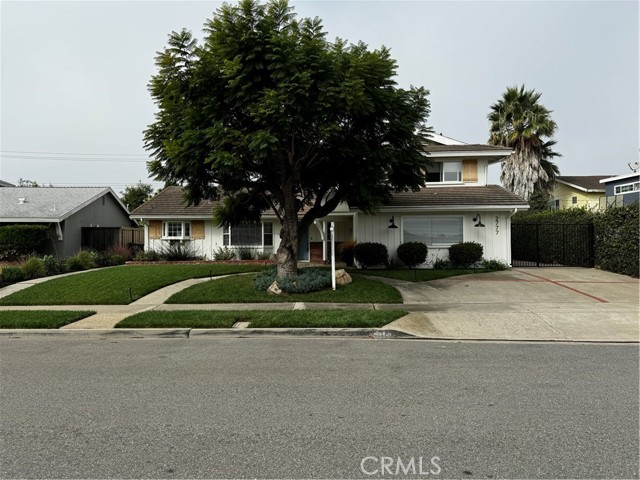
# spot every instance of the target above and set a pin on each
(562, 304)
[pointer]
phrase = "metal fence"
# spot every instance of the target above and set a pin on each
(552, 245)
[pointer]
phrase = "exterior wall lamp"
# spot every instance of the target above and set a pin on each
(392, 222)
(478, 220)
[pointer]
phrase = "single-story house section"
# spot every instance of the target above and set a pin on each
(621, 190)
(67, 210)
(455, 205)
(577, 191)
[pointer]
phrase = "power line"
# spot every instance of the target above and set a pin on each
(96, 160)
(69, 153)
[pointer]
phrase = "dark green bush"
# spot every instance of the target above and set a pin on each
(33, 268)
(88, 259)
(245, 253)
(148, 256)
(442, 264)
(465, 254)
(51, 265)
(12, 274)
(23, 240)
(495, 265)
(109, 259)
(617, 240)
(412, 253)
(308, 280)
(370, 254)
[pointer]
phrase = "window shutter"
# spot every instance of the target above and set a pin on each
(197, 229)
(469, 170)
(155, 229)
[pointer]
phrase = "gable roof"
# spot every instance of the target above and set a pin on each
(620, 177)
(170, 202)
(48, 204)
(587, 183)
(458, 198)
(6, 184)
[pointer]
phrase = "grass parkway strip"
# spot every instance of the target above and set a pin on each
(262, 319)
(117, 285)
(240, 290)
(40, 318)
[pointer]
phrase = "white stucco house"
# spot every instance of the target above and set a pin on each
(456, 205)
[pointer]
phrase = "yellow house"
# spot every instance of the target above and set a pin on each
(584, 191)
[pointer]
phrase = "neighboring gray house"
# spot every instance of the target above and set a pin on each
(6, 184)
(67, 210)
(621, 190)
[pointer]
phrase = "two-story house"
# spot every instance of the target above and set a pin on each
(456, 205)
(620, 190)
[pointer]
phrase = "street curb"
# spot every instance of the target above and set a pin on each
(204, 332)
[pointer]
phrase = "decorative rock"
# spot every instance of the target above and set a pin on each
(274, 289)
(342, 277)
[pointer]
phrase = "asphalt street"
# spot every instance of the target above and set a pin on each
(316, 408)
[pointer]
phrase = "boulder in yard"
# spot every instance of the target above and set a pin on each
(274, 289)
(342, 277)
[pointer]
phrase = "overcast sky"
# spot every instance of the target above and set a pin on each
(74, 75)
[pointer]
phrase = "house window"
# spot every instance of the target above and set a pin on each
(254, 234)
(444, 172)
(432, 230)
(574, 200)
(176, 230)
(629, 187)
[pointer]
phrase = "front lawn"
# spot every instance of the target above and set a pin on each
(240, 290)
(417, 275)
(40, 318)
(262, 319)
(117, 285)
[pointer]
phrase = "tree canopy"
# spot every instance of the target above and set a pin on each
(135, 195)
(520, 122)
(268, 114)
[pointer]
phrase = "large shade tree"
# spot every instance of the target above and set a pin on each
(520, 122)
(268, 114)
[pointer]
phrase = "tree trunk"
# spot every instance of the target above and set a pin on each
(287, 253)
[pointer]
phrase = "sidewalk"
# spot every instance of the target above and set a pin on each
(546, 304)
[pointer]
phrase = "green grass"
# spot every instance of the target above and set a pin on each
(417, 275)
(262, 319)
(39, 318)
(116, 286)
(240, 290)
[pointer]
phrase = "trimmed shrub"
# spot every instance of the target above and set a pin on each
(178, 251)
(12, 274)
(33, 268)
(465, 254)
(16, 240)
(370, 254)
(308, 280)
(412, 253)
(51, 265)
(618, 240)
(109, 259)
(224, 253)
(345, 252)
(148, 256)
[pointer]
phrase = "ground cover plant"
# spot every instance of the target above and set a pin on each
(117, 285)
(240, 289)
(262, 319)
(40, 318)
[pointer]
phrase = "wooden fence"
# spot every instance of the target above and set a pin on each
(104, 238)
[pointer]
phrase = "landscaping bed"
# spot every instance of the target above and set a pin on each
(40, 318)
(240, 289)
(262, 319)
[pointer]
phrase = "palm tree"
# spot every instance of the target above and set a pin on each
(520, 122)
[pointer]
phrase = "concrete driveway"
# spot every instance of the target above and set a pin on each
(574, 304)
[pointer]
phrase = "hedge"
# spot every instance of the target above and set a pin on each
(617, 240)
(18, 240)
